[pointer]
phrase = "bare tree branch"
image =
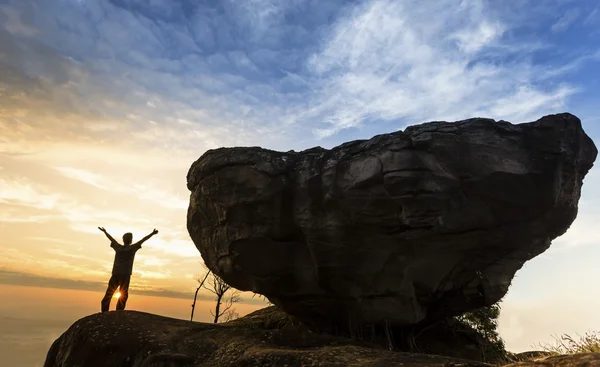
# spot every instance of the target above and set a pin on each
(230, 315)
(200, 279)
(225, 296)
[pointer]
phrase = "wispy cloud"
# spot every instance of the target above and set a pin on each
(7, 216)
(387, 61)
(143, 191)
(82, 175)
(54, 263)
(169, 85)
(22, 192)
(566, 20)
(473, 40)
(593, 17)
(82, 217)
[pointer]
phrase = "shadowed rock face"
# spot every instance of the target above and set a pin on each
(407, 227)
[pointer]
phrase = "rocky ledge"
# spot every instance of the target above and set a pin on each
(266, 337)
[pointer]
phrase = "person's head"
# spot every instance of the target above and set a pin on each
(127, 238)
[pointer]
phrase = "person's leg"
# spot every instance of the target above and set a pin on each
(113, 284)
(124, 289)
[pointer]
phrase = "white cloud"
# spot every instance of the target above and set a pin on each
(7, 217)
(85, 218)
(179, 246)
(52, 265)
(148, 274)
(527, 103)
(111, 183)
(85, 176)
(50, 239)
(570, 66)
(381, 60)
(261, 14)
(82, 217)
(22, 192)
(473, 40)
(388, 61)
(151, 261)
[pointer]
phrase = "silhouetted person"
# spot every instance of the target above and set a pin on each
(123, 264)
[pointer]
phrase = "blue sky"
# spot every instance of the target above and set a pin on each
(322, 68)
(105, 104)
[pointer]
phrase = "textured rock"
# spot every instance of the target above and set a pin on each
(406, 227)
(136, 339)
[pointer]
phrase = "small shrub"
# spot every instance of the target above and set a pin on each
(484, 322)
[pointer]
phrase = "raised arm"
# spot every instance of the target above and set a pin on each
(139, 243)
(112, 240)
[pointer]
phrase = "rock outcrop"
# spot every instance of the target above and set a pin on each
(266, 337)
(404, 228)
(137, 339)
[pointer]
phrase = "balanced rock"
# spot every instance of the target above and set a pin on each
(404, 228)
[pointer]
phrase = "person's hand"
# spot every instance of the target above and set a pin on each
(102, 229)
(154, 232)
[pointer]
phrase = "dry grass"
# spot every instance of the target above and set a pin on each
(565, 344)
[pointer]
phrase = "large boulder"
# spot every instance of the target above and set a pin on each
(404, 228)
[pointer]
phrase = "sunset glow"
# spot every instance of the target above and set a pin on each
(105, 104)
(117, 295)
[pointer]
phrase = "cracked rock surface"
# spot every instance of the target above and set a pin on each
(406, 228)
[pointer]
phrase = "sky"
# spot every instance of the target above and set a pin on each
(104, 105)
(33, 317)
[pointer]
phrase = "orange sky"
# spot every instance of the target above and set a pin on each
(62, 181)
(70, 305)
(31, 318)
(107, 139)
(61, 178)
